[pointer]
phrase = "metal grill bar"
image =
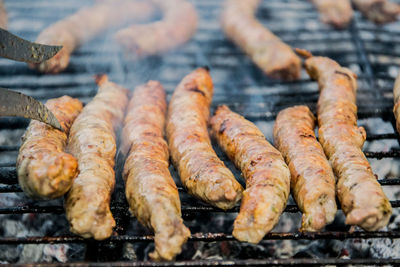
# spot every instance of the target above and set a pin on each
(371, 111)
(249, 262)
(364, 113)
(185, 209)
(15, 188)
(8, 148)
(371, 137)
(361, 54)
(209, 237)
(8, 177)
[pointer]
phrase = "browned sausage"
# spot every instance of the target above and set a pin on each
(44, 170)
(335, 12)
(151, 192)
(267, 51)
(361, 196)
(312, 182)
(378, 11)
(85, 25)
(202, 173)
(267, 175)
(92, 142)
(178, 25)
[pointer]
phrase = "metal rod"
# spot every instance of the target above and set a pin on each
(249, 262)
(8, 148)
(124, 210)
(207, 237)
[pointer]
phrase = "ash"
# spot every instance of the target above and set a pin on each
(34, 225)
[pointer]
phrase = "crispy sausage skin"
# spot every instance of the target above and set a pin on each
(92, 142)
(85, 25)
(361, 196)
(396, 98)
(44, 170)
(202, 173)
(178, 25)
(312, 179)
(151, 192)
(266, 173)
(3, 16)
(378, 11)
(337, 13)
(267, 51)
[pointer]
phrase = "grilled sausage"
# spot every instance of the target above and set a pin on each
(44, 170)
(378, 11)
(396, 98)
(337, 13)
(92, 142)
(312, 179)
(3, 16)
(85, 25)
(202, 173)
(178, 25)
(150, 190)
(361, 196)
(267, 176)
(267, 51)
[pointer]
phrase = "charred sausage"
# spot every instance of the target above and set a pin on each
(84, 25)
(267, 51)
(361, 196)
(335, 12)
(312, 180)
(44, 170)
(92, 142)
(178, 25)
(202, 173)
(150, 190)
(266, 173)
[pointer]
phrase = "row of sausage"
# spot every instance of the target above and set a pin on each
(179, 24)
(79, 161)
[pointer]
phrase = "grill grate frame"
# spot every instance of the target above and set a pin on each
(238, 83)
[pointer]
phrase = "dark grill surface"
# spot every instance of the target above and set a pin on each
(370, 51)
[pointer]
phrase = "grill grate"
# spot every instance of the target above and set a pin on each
(372, 52)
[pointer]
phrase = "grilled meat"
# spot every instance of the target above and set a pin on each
(378, 11)
(3, 15)
(396, 98)
(361, 196)
(312, 180)
(202, 173)
(267, 175)
(267, 51)
(86, 24)
(92, 142)
(150, 190)
(44, 170)
(337, 13)
(178, 25)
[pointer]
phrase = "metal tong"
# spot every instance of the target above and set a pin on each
(16, 48)
(17, 104)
